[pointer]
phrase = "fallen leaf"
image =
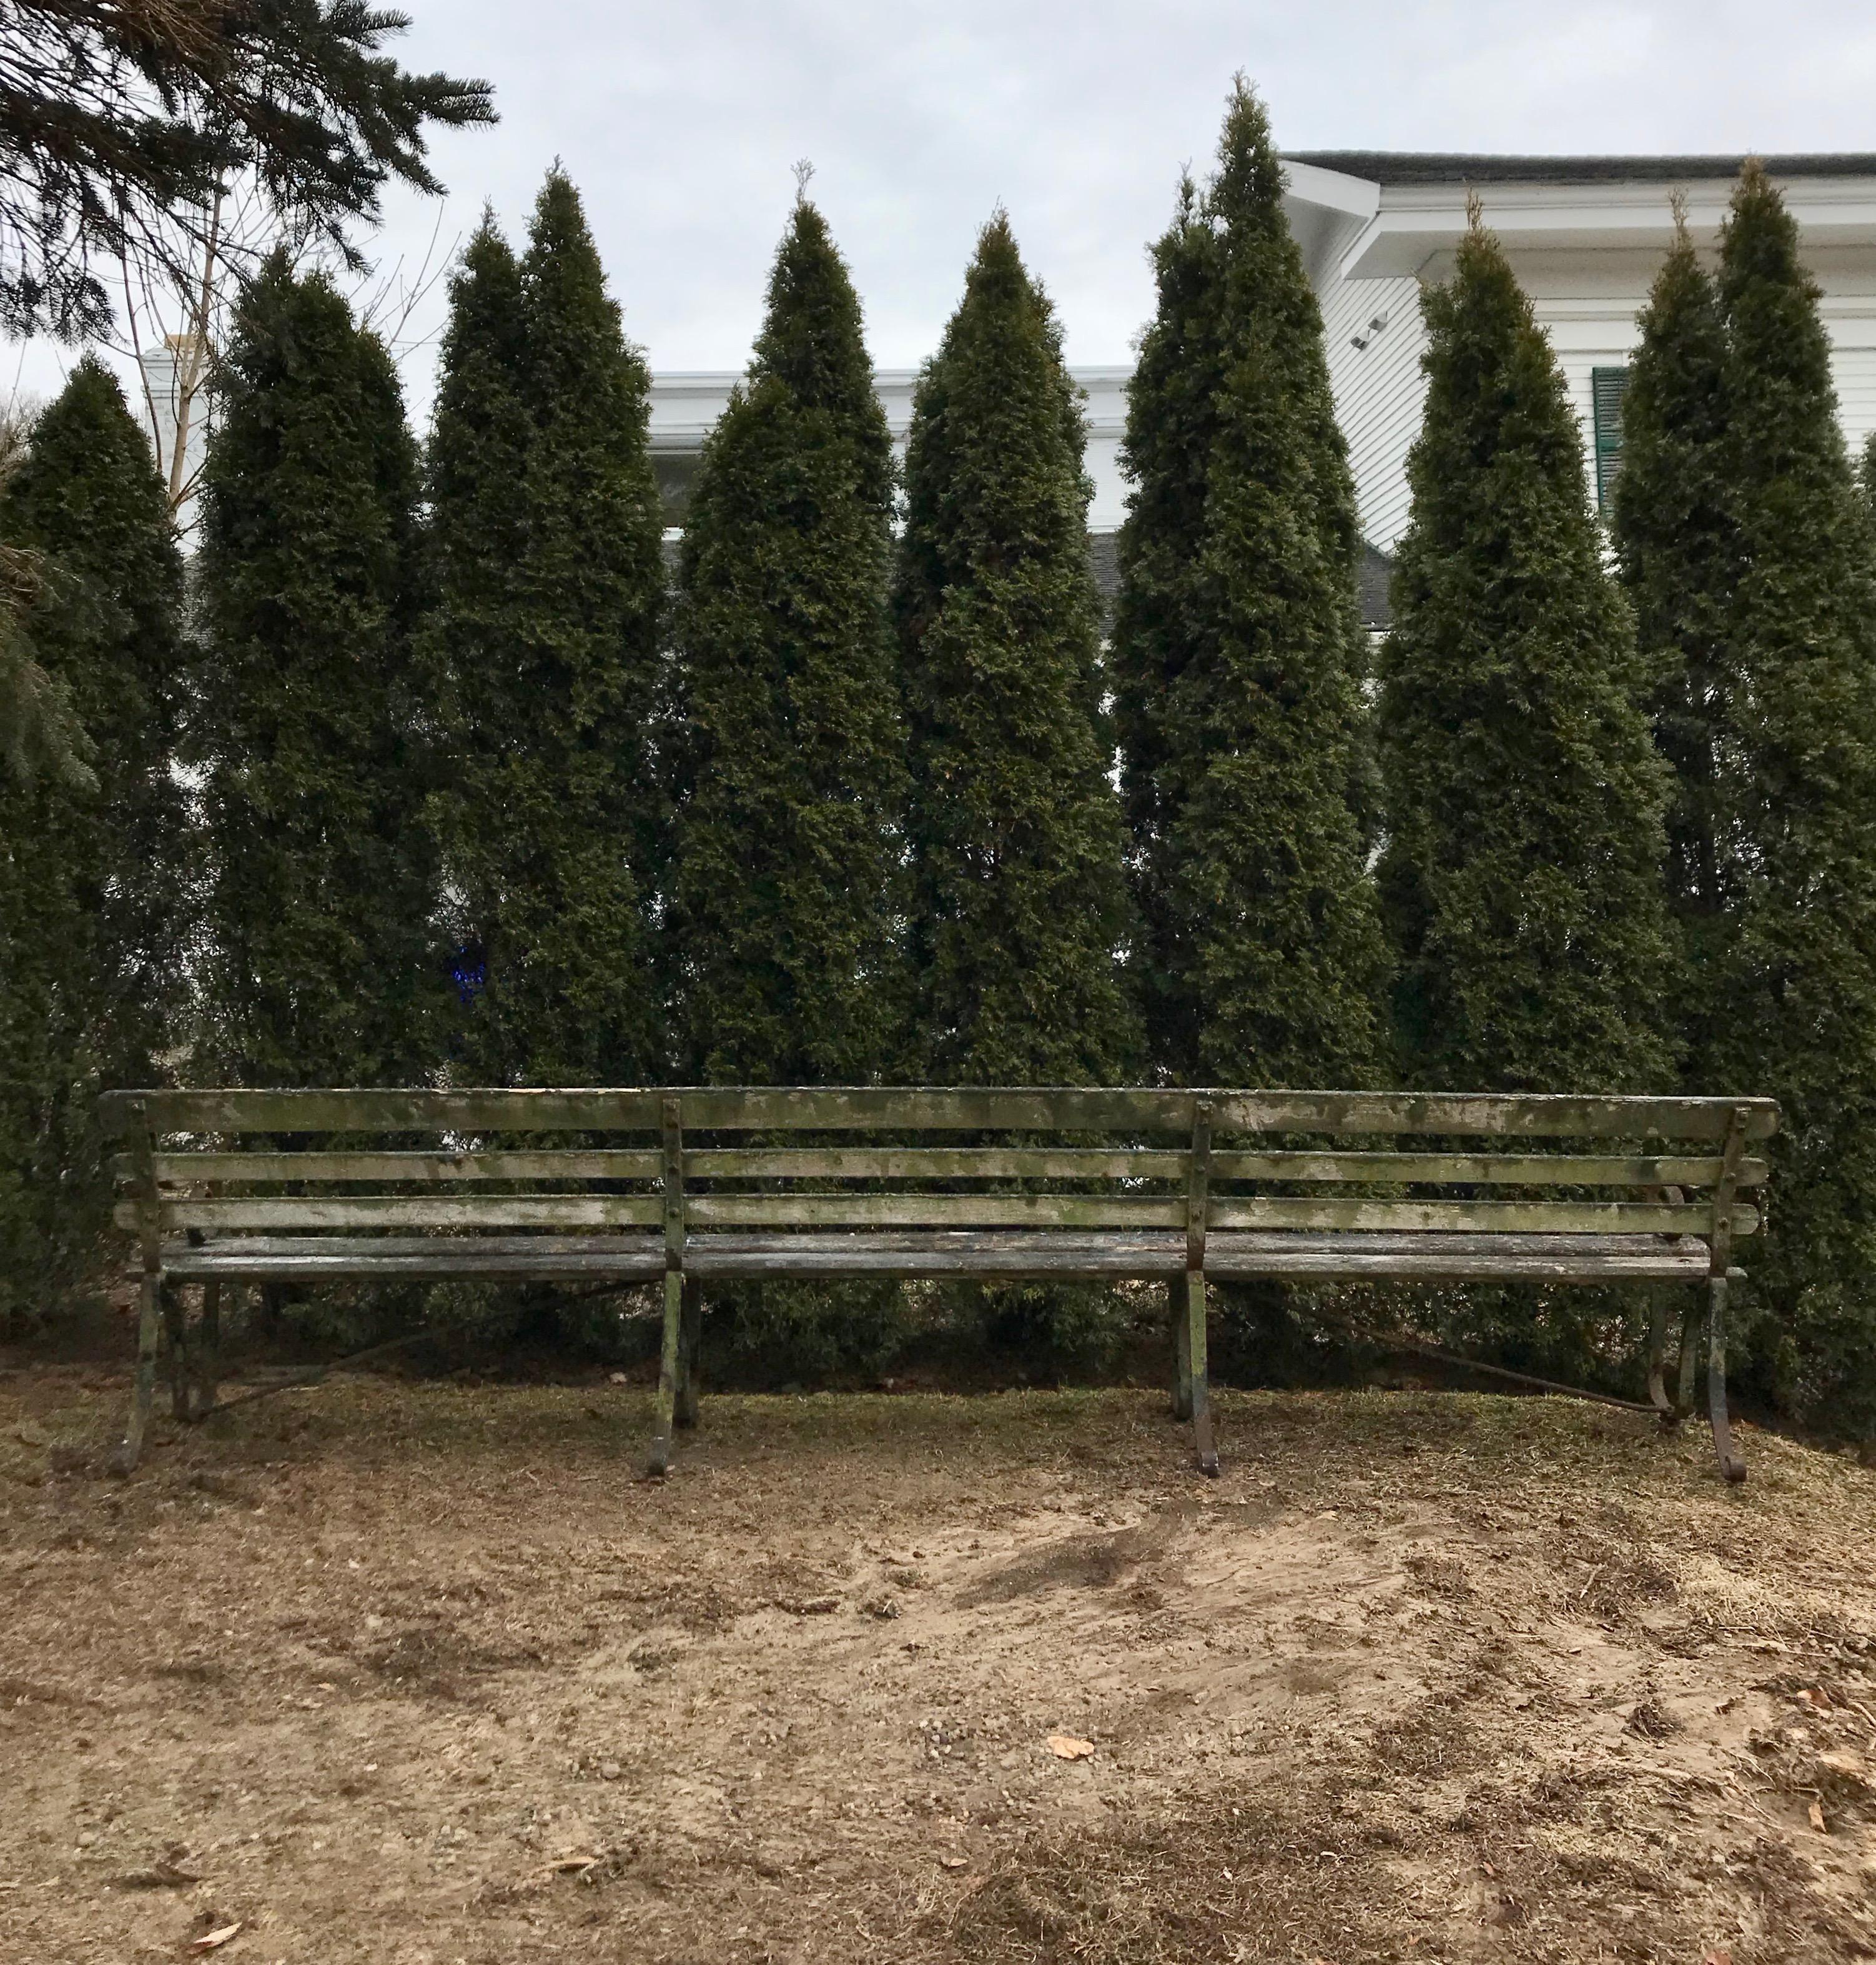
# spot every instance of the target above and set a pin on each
(1817, 1819)
(214, 1940)
(1066, 1747)
(618, 1378)
(1726, 1705)
(951, 1862)
(1717, 1956)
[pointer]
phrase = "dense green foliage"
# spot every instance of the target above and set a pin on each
(1869, 475)
(1019, 894)
(544, 649)
(785, 900)
(1673, 527)
(1238, 653)
(321, 969)
(1796, 980)
(787, 892)
(1522, 872)
(93, 879)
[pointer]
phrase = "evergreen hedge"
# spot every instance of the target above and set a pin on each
(1796, 984)
(543, 647)
(786, 911)
(1019, 904)
(1237, 656)
(310, 726)
(1522, 873)
(1671, 526)
(95, 881)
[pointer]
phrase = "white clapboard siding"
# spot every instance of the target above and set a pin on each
(1378, 391)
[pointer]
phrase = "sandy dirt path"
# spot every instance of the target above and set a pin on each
(419, 1674)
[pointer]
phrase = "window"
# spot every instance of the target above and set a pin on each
(1606, 388)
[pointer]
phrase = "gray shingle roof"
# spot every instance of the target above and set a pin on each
(1413, 167)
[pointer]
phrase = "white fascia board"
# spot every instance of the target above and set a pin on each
(1415, 222)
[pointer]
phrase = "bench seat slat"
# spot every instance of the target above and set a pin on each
(1143, 1255)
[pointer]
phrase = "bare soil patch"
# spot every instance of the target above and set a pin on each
(419, 1674)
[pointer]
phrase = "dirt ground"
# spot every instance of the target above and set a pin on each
(422, 1673)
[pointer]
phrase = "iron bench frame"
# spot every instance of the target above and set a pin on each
(1188, 1214)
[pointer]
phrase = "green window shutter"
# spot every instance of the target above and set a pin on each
(1606, 389)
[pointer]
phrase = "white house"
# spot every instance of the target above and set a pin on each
(1585, 236)
(685, 405)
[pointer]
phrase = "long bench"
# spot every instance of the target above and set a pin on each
(698, 1186)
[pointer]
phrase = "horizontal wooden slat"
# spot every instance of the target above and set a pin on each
(427, 1168)
(911, 1211)
(931, 1163)
(1484, 1170)
(1560, 1217)
(226, 1111)
(439, 1211)
(948, 1163)
(984, 1252)
(880, 1108)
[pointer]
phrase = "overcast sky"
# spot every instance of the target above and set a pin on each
(679, 123)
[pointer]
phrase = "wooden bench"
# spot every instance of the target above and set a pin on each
(698, 1186)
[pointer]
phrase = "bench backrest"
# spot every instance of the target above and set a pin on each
(702, 1159)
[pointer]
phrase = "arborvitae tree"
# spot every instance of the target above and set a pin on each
(1237, 654)
(1673, 531)
(786, 914)
(1869, 474)
(1019, 895)
(1522, 869)
(786, 907)
(320, 968)
(1796, 987)
(545, 639)
(93, 881)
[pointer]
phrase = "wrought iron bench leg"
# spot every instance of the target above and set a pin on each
(143, 1389)
(1201, 1389)
(1182, 1350)
(659, 1463)
(1732, 1464)
(1692, 1330)
(690, 1336)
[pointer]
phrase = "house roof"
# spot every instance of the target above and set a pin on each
(1427, 167)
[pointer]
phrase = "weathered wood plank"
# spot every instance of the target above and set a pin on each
(1484, 1170)
(1559, 1217)
(933, 1163)
(367, 1110)
(438, 1211)
(911, 1211)
(879, 1108)
(176, 1169)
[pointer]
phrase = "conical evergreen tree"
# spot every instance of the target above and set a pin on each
(1238, 651)
(545, 556)
(1869, 475)
(1673, 531)
(1798, 986)
(787, 901)
(786, 905)
(1019, 902)
(93, 882)
(1522, 872)
(321, 968)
